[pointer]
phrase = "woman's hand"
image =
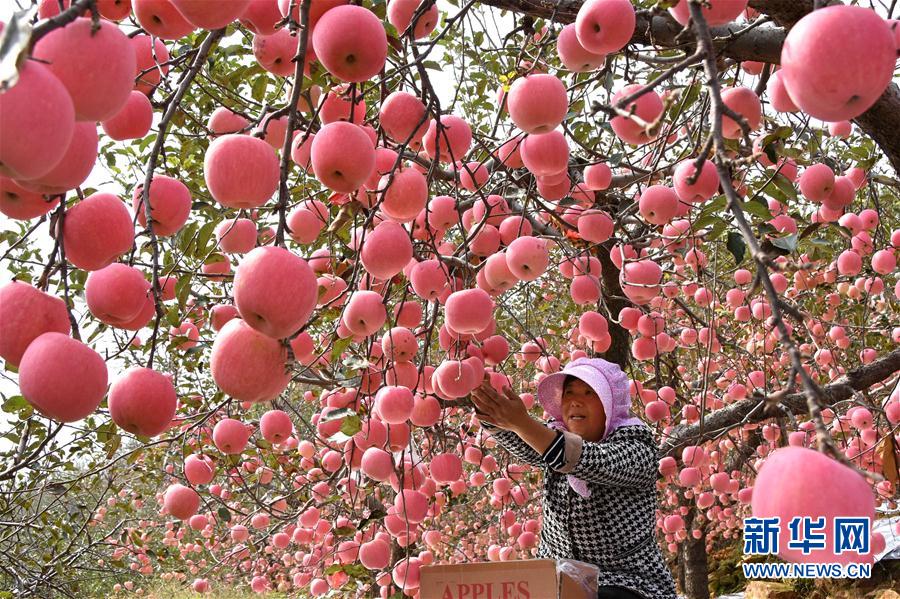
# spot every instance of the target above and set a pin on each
(505, 409)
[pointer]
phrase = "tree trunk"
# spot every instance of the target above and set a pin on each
(695, 582)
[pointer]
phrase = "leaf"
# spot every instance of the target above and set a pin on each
(736, 246)
(14, 40)
(355, 363)
(112, 446)
(714, 206)
(888, 453)
(785, 186)
(351, 425)
(788, 242)
(339, 346)
(809, 230)
(757, 207)
(183, 289)
(224, 514)
(705, 221)
(203, 237)
(14, 404)
(337, 414)
(258, 89)
(172, 316)
(717, 229)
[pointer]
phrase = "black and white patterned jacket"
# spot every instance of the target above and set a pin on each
(614, 528)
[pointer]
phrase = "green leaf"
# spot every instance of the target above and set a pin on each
(714, 206)
(351, 425)
(224, 514)
(203, 237)
(716, 230)
(172, 316)
(809, 230)
(337, 414)
(339, 346)
(736, 246)
(14, 404)
(785, 186)
(757, 207)
(183, 289)
(789, 242)
(355, 363)
(705, 221)
(112, 446)
(258, 89)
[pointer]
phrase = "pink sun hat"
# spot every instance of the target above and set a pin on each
(608, 381)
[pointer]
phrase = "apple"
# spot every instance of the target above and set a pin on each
(364, 313)
(181, 501)
(162, 19)
(469, 311)
(274, 291)
(142, 401)
(75, 166)
(605, 26)
(116, 293)
(248, 365)
(37, 122)
(275, 426)
(837, 61)
(231, 436)
(19, 203)
(170, 205)
(401, 12)
(537, 103)
(241, 171)
(261, 16)
(342, 156)
(63, 378)
(211, 15)
(647, 107)
(719, 12)
(223, 121)
(386, 250)
(796, 481)
(151, 62)
(545, 153)
(97, 230)
(573, 55)
(452, 143)
(26, 313)
(405, 194)
(350, 43)
(96, 66)
(132, 121)
(705, 187)
(745, 102)
(527, 257)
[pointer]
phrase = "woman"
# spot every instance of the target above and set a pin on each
(600, 468)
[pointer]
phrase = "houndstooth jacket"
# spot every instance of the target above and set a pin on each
(613, 528)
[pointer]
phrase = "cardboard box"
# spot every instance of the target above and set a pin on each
(522, 579)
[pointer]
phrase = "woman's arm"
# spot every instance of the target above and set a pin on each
(506, 417)
(514, 444)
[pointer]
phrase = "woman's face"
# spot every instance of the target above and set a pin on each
(582, 410)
